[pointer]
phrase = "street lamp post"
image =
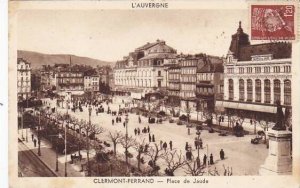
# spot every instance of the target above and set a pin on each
(198, 147)
(87, 141)
(22, 123)
(126, 140)
(39, 138)
(66, 173)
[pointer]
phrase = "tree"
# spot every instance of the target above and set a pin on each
(127, 143)
(192, 169)
(173, 160)
(115, 138)
(154, 153)
(139, 147)
(91, 131)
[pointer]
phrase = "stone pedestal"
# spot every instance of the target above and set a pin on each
(279, 161)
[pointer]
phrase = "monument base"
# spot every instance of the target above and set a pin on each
(279, 161)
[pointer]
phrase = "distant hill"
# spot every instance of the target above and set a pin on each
(38, 59)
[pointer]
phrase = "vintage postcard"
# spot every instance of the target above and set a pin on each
(154, 93)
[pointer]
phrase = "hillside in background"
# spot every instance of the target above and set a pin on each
(38, 59)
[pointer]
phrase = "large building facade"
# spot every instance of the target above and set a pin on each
(91, 83)
(144, 70)
(23, 79)
(210, 84)
(70, 81)
(257, 77)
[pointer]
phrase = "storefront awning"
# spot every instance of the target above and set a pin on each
(246, 106)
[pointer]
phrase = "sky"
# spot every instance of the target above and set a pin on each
(111, 34)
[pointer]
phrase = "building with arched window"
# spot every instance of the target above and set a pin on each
(256, 77)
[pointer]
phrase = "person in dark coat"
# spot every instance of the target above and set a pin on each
(34, 142)
(112, 121)
(148, 129)
(135, 131)
(222, 154)
(153, 138)
(196, 144)
(186, 146)
(140, 119)
(171, 145)
(211, 159)
(124, 124)
(149, 137)
(32, 137)
(200, 143)
(165, 145)
(204, 159)
(138, 131)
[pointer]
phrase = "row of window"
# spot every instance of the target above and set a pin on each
(174, 76)
(120, 74)
(23, 84)
(204, 90)
(174, 86)
(187, 94)
(258, 91)
(70, 80)
(23, 79)
(92, 78)
(188, 87)
(205, 76)
(190, 62)
(188, 78)
(188, 71)
(24, 66)
(276, 69)
(26, 73)
(69, 75)
(23, 89)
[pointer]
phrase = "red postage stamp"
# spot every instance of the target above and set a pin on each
(273, 22)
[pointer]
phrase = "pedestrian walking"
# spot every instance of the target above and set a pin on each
(138, 131)
(200, 144)
(189, 131)
(211, 159)
(165, 145)
(204, 159)
(222, 154)
(135, 131)
(32, 137)
(186, 146)
(140, 120)
(149, 137)
(124, 124)
(153, 138)
(34, 142)
(148, 129)
(196, 144)
(171, 144)
(112, 121)
(161, 144)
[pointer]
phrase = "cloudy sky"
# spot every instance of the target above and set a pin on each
(111, 34)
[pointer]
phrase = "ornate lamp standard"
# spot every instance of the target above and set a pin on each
(67, 125)
(39, 137)
(126, 139)
(198, 133)
(87, 141)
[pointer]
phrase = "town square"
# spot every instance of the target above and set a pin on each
(158, 111)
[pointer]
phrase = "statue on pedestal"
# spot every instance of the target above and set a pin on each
(279, 125)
